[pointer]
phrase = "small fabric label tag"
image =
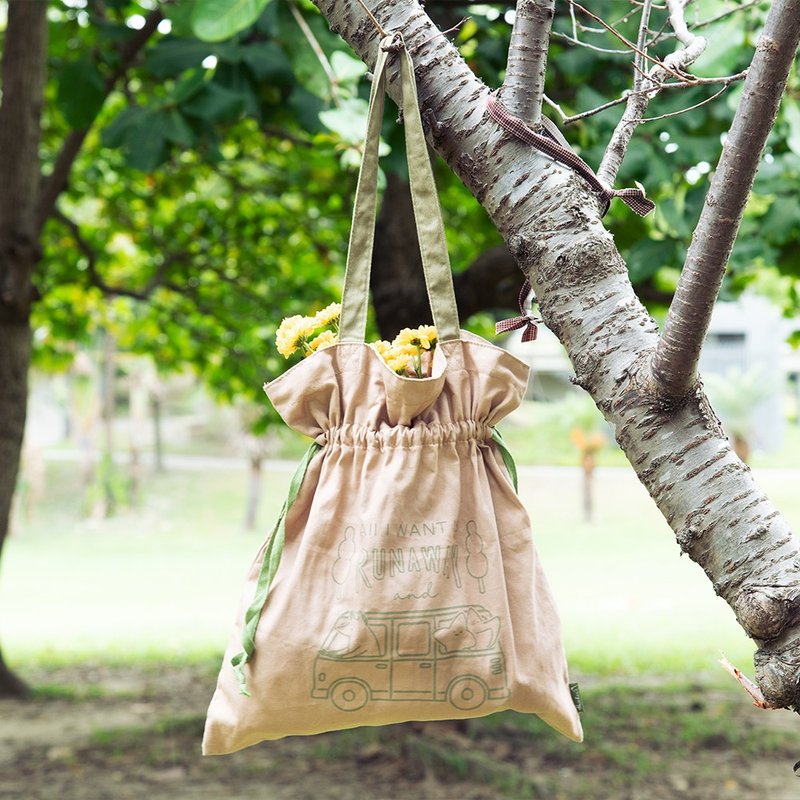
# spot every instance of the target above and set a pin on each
(575, 691)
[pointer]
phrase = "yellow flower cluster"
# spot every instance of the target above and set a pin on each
(294, 333)
(410, 353)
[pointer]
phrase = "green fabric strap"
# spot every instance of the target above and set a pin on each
(430, 230)
(508, 459)
(272, 560)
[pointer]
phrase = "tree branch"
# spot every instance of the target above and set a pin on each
(675, 360)
(548, 218)
(24, 61)
(649, 87)
(725, 81)
(527, 59)
(95, 279)
(641, 44)
(57, 180)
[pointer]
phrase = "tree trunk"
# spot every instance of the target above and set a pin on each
(587, 467)
(253, 493)
(492, 280)
(551, 223)
(158, 443)
(23, 71)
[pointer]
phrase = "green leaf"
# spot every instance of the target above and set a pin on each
(724, 49)
(180, 15)
(215, 20)
(238, 80)
(648, 256)
(268, 63)
(146, 141)
(214, 103)
(791, 114)
(349, 121)
(306, 108)
(81, 92)
(113, 135)
(347, 68)
(178, 130)
(189, 86)
(171, 56)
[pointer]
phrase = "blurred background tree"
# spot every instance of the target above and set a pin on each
(195, 192)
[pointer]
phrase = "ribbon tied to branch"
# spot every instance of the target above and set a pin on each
(526, 320)
(548, 142)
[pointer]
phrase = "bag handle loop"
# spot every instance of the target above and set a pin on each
(427, 214)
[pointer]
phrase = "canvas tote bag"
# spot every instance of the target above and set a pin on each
(401, 582)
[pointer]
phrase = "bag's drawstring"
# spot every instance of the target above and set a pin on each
(508, 459)
(269, 566)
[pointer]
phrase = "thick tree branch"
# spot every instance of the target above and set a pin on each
(57, 180)
(675, 360)
(647, 89)
(549, 220)
(527, 59)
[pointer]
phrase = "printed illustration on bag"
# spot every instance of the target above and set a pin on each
(358, 565)
(450, 655)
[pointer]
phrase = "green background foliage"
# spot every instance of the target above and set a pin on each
(212, 196)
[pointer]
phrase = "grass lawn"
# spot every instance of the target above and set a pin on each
(163, 581)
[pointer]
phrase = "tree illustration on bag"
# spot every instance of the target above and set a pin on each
(477, 563)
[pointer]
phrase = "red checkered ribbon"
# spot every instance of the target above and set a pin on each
(548, 143)
(525, 320)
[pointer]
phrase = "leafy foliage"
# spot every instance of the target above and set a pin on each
(212, 196)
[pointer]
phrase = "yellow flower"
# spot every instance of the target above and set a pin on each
(382, 348)
(428, 337)
(293, 332)
(329, 314)
(325, 339)
(400, 357)
(423, 337)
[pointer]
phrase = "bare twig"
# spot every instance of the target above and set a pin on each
(637, 102)
(455, 27)
(581, 43)
(675, 360)
(318, 51)
(684, 110)
(759, 701)
(592, 111)
(665, 66)
(661, 35)
(726, 80)
(527, 59)
(641, 45)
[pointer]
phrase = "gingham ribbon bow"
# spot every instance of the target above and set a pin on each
(526, 319)
(549, 142)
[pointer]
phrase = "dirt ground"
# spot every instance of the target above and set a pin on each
(125, 734)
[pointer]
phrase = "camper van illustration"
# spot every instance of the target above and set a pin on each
(450, 655)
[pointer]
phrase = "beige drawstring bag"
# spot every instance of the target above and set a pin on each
(401, 582)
